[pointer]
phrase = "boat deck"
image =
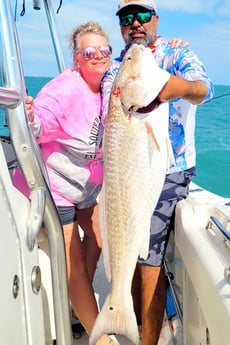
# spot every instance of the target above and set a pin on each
(101, 288)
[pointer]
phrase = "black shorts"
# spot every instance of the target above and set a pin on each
(67, 214)
(176, 188)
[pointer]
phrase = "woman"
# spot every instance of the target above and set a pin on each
(66, 119)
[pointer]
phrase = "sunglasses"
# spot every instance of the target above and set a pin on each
(90, 52)
(142, 17)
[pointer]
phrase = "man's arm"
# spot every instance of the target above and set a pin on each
(192, 91)
(188, 80)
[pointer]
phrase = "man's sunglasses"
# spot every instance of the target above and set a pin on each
(142, 17)
(90, 52)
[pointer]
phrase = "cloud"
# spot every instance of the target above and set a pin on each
(204, 23)
(213, 48)
(181, 5)
(210, 7)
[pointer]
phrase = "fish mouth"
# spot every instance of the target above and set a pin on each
(148, 108)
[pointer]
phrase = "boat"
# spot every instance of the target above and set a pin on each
(34, 302)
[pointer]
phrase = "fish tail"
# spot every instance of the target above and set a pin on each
(116, 320)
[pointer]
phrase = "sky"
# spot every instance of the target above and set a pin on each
(205, 24)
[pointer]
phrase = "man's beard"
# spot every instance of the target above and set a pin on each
(138, 41)
(146, 41)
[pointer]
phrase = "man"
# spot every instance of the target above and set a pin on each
(187, 86)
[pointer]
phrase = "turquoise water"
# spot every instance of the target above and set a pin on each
(213, 143)
(212, 138)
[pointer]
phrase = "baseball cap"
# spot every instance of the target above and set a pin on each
(149, 4)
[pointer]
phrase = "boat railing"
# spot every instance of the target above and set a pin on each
(42, 207)
(220, 235)
(225, 233)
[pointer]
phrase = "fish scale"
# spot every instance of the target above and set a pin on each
(135, 151)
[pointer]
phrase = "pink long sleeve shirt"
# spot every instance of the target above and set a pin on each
(68, 128)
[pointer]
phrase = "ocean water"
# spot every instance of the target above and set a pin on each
(212, 138)
(213, 143)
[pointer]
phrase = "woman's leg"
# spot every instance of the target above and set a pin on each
(88, 221)
(80, 286)
(82, 257)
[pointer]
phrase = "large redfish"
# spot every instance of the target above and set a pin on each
(135, 153)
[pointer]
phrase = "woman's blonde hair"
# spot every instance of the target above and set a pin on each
(89, 27)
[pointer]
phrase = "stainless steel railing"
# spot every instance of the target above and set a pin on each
(30, 160)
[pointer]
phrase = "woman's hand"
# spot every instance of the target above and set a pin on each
(29, 101)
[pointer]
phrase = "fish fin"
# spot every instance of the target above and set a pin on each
(171, 159)
(116, 320)
(104, 235)
(152, 136)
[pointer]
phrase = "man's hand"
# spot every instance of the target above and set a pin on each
(175, 42)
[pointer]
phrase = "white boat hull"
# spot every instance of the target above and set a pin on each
(202, 268)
